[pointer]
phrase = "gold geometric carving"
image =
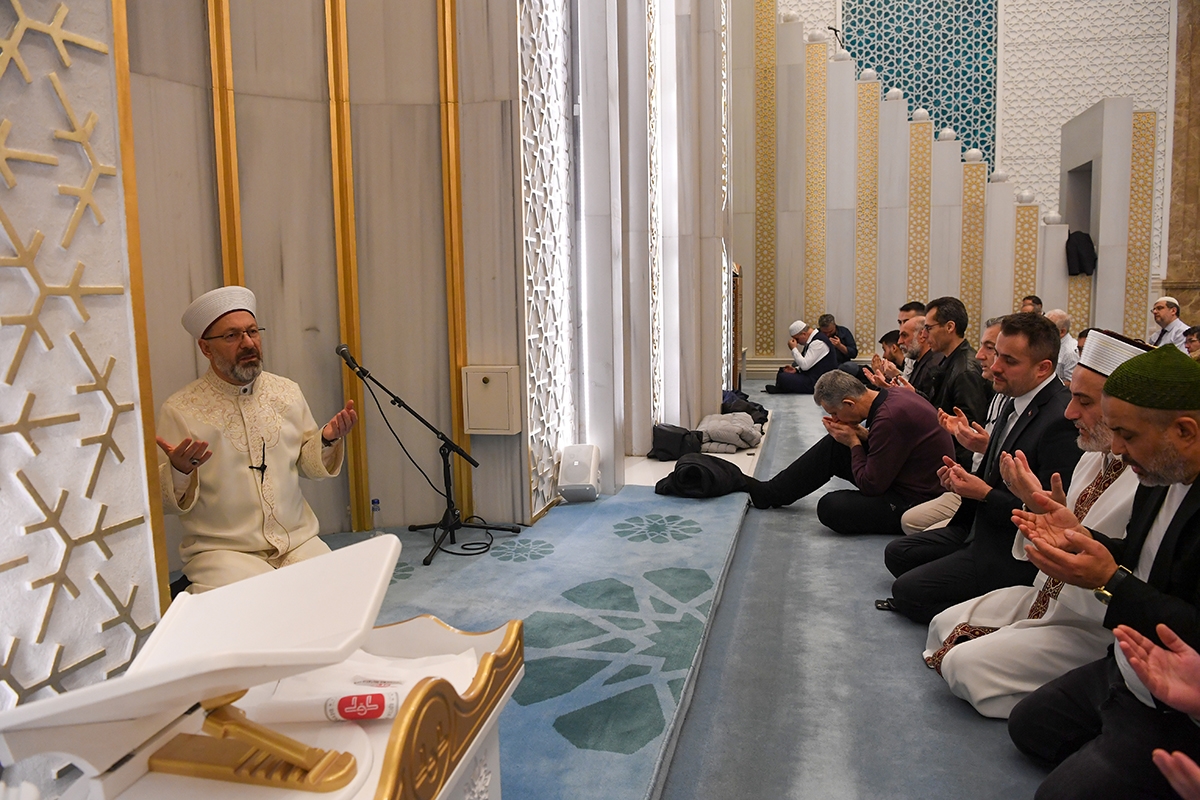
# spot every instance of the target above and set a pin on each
(9, 154)
(1079, 300)
(1141, 222)
(1025, 253)
(10, 47)
(82, 137)
(54, 680)
(25, 425)
(816, 64)
(764, 177)
(124, 617)
(19, 561)
(920, 154)
(971, 270)
(52, 520)
(26, 258)
(866, 215)
(100, 384)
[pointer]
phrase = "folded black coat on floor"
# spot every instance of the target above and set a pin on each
(702, 475)
(733, 404)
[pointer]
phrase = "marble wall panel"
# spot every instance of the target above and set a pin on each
(893, 157)
(839, 266)
(789, 281)
(1052, 271)
(741, 118)
(893, 270)
(169, 39)
(492, 269)
(278, 50)
(789, 126)
(393, 51)
(842, 110)
(945, 242)
(287, 238)
(402, 298)
(998, 249)
(487, 55)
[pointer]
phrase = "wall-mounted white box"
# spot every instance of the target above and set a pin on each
(492, 400)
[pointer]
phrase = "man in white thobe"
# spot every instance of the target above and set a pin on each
(996, 649)
(242, 440)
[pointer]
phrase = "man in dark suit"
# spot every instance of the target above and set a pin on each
(972, 555)
(1099, 723)
(958, 382)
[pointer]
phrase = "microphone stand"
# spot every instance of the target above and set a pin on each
(451, 520)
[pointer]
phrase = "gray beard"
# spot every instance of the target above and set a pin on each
(242, 373)
(1095, 441)
(1164, 469)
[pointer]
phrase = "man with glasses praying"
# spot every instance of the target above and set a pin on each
(235, 444)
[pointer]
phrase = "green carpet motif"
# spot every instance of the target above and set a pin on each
(616, 596)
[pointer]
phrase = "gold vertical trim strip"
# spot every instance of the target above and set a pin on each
(920, 157)
(456, 300)
(1079, 301)
(764, 177)
(137, 296)
(816, 132)
(866, 213)
(1141, 221)
(346, 250)
(229, 204)
(1025, 253)
(974, 195)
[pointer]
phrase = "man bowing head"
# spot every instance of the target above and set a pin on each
(234, 445)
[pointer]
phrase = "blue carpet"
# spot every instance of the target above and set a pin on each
(616, 596)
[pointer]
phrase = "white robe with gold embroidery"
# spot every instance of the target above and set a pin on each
(231, 508)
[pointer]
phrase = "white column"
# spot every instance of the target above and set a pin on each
(841, 107)
(1053, 286)
(945, 216)
(789, 171)
(893, 211)
(1000, 216)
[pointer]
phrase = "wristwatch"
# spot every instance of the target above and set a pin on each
(1104, 593)
(326, 443)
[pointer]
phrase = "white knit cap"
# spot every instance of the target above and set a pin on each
(1167, 299)
(1103, 352)
(795, 328)
(211, 306)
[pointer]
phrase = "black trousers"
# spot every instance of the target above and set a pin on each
(938, 568)
(1099, 735)
(795, 382)
(845, 511)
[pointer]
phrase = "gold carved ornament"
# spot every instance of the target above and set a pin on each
(1025, 253)
(1141, 222)
(816, 67)
(764, 177)
(81, 135)
(10, 47)
(971, 269)
(435, 727)
(920, 155)
(866, 213)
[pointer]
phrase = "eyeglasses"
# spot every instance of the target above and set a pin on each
(235, 337)
(929, 327)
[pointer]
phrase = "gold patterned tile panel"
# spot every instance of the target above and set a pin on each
(920, 156)
(764, 177)
(1079, 301)
(1025, 253)
(1141, 222)
(866, 214)
(971, 264)
(816, 60)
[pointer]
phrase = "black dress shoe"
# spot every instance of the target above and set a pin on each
(770, 388)
(886, 604)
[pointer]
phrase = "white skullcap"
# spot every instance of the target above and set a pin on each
(1166, 299)
(1104, 351)
(795, 328)
(211, 306)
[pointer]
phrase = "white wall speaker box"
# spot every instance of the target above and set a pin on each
(579, 473)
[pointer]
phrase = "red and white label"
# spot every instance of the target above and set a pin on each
(355, 707)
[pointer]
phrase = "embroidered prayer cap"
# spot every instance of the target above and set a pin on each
(795, 328)
(211, 306)
(1104, 351)
(1165, 378)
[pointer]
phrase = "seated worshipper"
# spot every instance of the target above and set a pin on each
(913, 308)
(1068, 356)
(812, 355)
(892, 462)
(1191, 341)
(839, 336)
(240, 501)
(1100, 723)
(958, 382)
(1031, 304)
(1166, 314)
(1172, 674)
(920, 361)
(938, 568)
(893, 354)
(996, 649)
(937, 512)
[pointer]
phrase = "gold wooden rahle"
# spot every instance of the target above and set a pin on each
(229, 206)
(346, 249)
(456, 302)
(137, 296)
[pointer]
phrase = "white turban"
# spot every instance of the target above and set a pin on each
(795, 328)
(1103, 352)
(211, 306)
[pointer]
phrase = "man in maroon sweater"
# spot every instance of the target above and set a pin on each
(893, 461)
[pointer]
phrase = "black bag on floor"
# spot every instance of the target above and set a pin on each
(702, 475)
(672, 441)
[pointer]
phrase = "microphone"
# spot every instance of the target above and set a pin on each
(344, 351)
